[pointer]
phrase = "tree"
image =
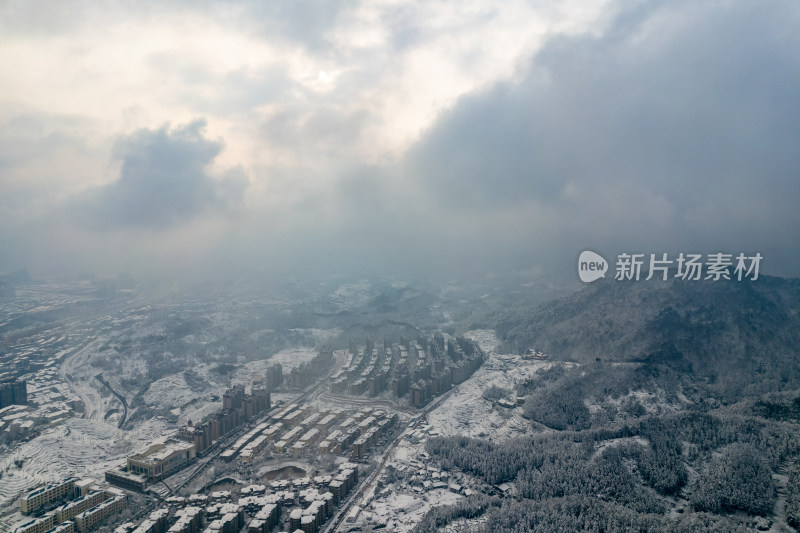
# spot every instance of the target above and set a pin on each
(739, 479)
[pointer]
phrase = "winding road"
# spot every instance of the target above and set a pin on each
(121, 398)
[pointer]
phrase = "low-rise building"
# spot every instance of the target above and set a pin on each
(40, 497)
(88, 519)
(126, 480)
(71, 509)
(64, 527)
(44, 523)
(162, 460)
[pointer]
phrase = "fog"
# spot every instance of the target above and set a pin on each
(439, 139)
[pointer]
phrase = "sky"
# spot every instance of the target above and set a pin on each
(390, 137)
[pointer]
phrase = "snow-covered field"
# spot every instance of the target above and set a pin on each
(83, 447)
(288, 359)
(401, 511)
(292, 357)
(466, 412)
(173, 392)
(169, 391)
(486, 339)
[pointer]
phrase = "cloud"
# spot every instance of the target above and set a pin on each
(673, 128)
(164, 181)
(306, 22)
(402, 137)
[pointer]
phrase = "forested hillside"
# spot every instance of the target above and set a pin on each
(670, 407)
(744, 337)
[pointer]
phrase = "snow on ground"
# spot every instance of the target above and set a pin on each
(82, 447)
(466, 412)
(401, 503)
(402, 511)
(132, 367)
(486, 339)
(463, 525)
(293, 357)
(197, 412)
(350, 295)
(320, 336)
(288, 359)
(654, 402)
(187, 404)
(401, 506)
(314, 335)
(622, 441)
(168, 392)
(90, 446)
(284, 398)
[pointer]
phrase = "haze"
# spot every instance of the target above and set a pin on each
(387, 137)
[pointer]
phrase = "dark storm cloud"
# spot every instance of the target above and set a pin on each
(678, 126)
(672, 126)
(163, 182)
(482, 152)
